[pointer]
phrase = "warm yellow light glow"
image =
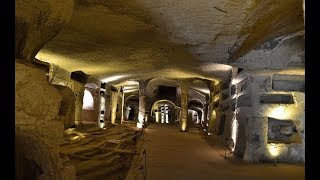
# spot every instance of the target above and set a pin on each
(273, 149)
(112, 78)
(157, 116)
(87, 101)
(130, 90)
(74, 138)
(235, 81)
(101, 125)
(279, 113)
(234, 131)
(78, 137)
(141, 117)
(184, 126)
(69, 131)
(139, 125)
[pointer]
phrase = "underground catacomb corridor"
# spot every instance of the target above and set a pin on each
(159, 89)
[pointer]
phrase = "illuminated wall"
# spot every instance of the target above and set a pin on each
(87, 100)
(276, 127)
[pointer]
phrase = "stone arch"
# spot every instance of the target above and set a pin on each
(91, 85)
(200, 90)
(152, 89)
(131, 107)
(195, 102)
(130, 97)
(195, 111)
(165, 117)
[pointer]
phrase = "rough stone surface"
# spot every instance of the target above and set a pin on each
(277, 53)
(257, 147)
(113, 106)
(283, 131)
(176, 39)
(37, 22)
(37, 102)
(60, 76)
(244, 100)
(67, 106)
(189, 45)
(35, 149)
(184, 105)
(38, 130)
(250, 132)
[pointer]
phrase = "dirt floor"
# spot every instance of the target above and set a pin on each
(171, 154)
(117, 153)
(101, 153)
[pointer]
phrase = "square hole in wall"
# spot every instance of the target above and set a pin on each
(103, 85)
(276, 99)
(282, 131)
(288, 82)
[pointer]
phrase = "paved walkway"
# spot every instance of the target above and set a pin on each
(175, 155)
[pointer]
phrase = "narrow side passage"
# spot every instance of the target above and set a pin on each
(175, 155)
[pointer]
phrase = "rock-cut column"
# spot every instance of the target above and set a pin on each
(205, 115)
(122, 105)
(184, 106)
(212, 119)
(113, 104)
(142, 102)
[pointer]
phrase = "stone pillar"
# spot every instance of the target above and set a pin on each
(184, 105)
(78, 89)
(102, 114)
(107, 116)
(122, 106)
(205, 115)
(210, 126)
(97, 104)
(113, 104)
(118, 109)
(142, 102)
